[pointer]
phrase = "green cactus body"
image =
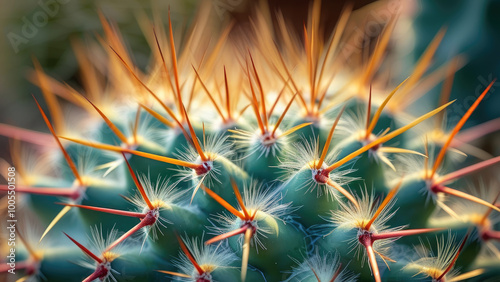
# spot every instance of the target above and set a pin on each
(312, 198)
(412, 194)
(177, 219)
(283, 241)
(490, 267)
(369, 170)
(201, 177)
(262, 167)
(59, 264)
(345, 241)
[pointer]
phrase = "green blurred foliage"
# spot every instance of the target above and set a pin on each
(44, 30)
(473, 29)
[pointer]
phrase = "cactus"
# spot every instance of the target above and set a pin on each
(272, 164)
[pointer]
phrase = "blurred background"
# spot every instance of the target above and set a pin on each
(44, 29)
